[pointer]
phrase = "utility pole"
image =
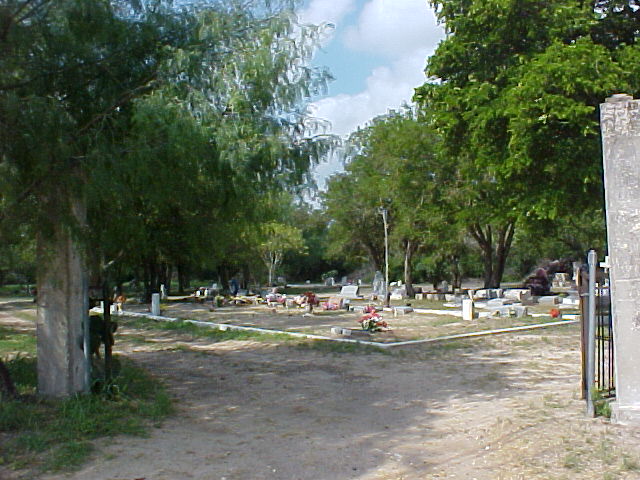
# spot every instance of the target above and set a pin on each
(387, 295)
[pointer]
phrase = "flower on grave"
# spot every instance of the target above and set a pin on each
(372, 322)
(311, 298)
(554, 312)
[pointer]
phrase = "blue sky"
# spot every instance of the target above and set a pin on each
(377, 53)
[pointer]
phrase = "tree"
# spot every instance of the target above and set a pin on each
(392, 165)
(141, 110)
(514, 91)
(278, 239)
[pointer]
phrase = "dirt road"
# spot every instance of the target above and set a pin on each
(502, 407)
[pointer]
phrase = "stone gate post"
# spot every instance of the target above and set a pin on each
(620, 125)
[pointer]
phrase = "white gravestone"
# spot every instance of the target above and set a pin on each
(155, 304)
(468, 312)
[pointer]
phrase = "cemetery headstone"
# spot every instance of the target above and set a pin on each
(350, 291)
(155, 304)
(468, 312)
(399, 293)
(378, 284)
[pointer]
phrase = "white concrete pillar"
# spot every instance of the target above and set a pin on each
(468, 312)
(155, 304)
(620, 123)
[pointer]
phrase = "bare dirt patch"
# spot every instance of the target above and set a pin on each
(502, 407)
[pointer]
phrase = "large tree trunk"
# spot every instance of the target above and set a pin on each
(183, 279)
(505, 239)
(168, 280)
(409, 250)
(484, 238)
(151, 278)
(455, 272)
(62, 307)
(494, 260)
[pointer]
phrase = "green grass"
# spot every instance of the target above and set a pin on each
(13, 291)
(51, 434)
(12, 343)
(328, 346)
(198, 331)
(630, 464)
(571, 461)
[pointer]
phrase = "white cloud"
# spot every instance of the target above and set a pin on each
(330, 11)
(387, 87)
(394, 27)
(403, 30)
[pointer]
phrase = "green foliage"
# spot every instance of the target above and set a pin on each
(514, 93)
(601, 405)
(278, 239)
(312, 263)
(391, 164)
(183, 135)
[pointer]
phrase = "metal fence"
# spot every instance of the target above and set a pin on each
(597, 332)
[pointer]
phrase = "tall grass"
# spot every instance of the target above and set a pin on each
(46, 434)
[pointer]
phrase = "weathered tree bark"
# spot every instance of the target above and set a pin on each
(455, 271)
(494, 260)
(505, 239)
(409, 250)
(167, 284)
(485, 242)
(151, 278)
(183, 279)
(62, 306)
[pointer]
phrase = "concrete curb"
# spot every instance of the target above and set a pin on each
(225, 326)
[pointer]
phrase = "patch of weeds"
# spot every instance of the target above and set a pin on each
(327, 346)
(551, 402)
(605, 452)
(56, 434)
(68, 455)
(572, 462)
(24, 375)
(629, 463)
(601, 405)
(609, 476)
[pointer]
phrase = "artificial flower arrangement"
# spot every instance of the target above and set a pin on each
(311, 298)
(372, 321)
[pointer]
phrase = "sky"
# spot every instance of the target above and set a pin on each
(377, 53)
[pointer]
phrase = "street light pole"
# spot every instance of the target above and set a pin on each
(383, 212)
